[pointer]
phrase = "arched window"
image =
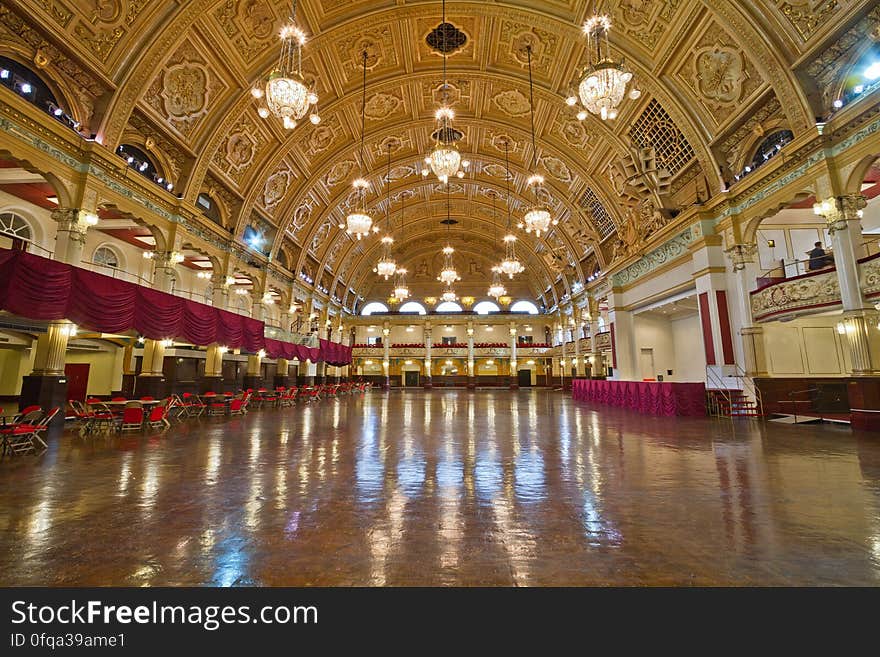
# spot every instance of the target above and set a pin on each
(413, 307)
(486, 307)
(374, 307)
(139, 161)
(770, 146)
(104, 255)
(209, 208)
(15, 226)
(29, 86)
(601, 324)
(255, 239)
(524, 307)
(448, 307)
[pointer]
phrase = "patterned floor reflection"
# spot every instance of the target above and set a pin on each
(447, 487)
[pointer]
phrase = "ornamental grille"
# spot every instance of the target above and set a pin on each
(655, 129)
(601, 219)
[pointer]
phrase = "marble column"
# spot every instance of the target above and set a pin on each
(386, 355)
(428, 383)
(745, 266)
(254, 377)
(842, 214)
(46, 385)
(212, 381)
(151, 381)
(471, 378)
(513, 383)
(70, 238)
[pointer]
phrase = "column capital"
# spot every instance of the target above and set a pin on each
(741, 255)
(75, 221)
(839, 209)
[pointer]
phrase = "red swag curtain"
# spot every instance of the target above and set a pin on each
(38, 288)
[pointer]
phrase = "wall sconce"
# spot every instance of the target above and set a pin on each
(87, 218)
(229, 280)
(407, 362)
(69, 330)
(223, 350)
(386, 332)
(167, 343)
(176, 257)
(261, 353)
(149, 255)
(530, 362)
(268, 299)
(467, 302)
(470, 332)
(430, 300)
(204, 275)
(771, 244)
(513, 331)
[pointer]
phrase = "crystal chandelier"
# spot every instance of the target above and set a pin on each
(497, 289)
(449, 295)
(537, 218)
(401, 291)
(287, 95)
(510, 265)
(603, 82)
(386, 265)
(448, 274)
(359, 222)
(444, 159)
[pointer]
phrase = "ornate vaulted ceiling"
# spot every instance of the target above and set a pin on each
(175, 78)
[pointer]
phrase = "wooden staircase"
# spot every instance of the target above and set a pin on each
(732, 403)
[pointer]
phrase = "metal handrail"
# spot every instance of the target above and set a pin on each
(718, 386)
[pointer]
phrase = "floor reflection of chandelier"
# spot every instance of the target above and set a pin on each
(497, 289)
(359, 222)
(287, 95)
(603, 82)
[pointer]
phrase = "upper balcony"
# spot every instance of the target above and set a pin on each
(811, 292)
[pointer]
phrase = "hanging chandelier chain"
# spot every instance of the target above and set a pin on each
(388, 189)
(532, 108)
(363, 111)
(507, 178)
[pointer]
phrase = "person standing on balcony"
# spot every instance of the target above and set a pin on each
(818, 258)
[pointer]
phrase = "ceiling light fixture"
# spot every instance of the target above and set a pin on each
(603, 81)
(359, 222)
(287, 95)
(537, 218)
(386, 265)
(444, 158)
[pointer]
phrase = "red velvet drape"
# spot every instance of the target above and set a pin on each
(38, 288)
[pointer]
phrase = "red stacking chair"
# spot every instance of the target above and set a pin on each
(159, 415)
(238, 406)
(193, 405)
(215, 407)
(26, 436)
(132, 417)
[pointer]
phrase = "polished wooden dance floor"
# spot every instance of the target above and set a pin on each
(447, 487)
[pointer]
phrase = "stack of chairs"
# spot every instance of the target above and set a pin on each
(25, 432)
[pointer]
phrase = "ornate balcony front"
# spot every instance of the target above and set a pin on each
(810, 293)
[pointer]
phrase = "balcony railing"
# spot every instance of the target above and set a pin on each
(810, 293)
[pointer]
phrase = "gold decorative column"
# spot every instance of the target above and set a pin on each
(151, 380)
(744, 263)
(513, 383)
(843, 214)
(70, 238)
(213, 378)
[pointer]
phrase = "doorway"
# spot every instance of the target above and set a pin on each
(646, 361)
(77, 380)
(524, 378)
(411, 379)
